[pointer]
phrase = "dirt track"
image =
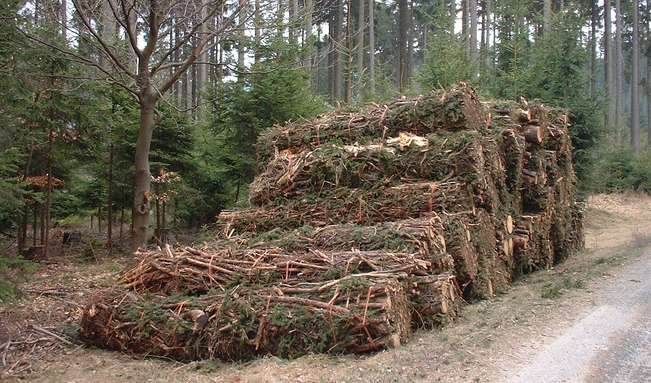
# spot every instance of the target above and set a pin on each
(587, 320)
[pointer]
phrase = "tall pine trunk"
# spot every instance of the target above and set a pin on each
(109, 202)
(348, 96)
(202, 68)
(609, 69)
(648, 74)
(474, 58)
(489, 10)
(464, 20)
(307, 30)
(371, 47)
(361, 22)
(619, 72)
(403, 26)
(337, 46)
(547, 16)
(593, 47)
(257, 20)
(48, 196)
(241, 50)
(635, 82)
(293, 6)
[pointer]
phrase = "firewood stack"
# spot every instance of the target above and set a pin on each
(363, 226)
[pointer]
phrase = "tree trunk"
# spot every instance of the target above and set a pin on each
(35, 223)
(371, 47)
(241, 50)
(187, 90)
(257, 20)
(176, 56)
(331, 58)
(280, 18)
(593, 48)
(122, 215)
(48, 196)
(483, 37)
(109, 202)
(42, 231)
(635, 86)
(22, 230)
(361, 23)
(63, 16)
(133, 58)
(202, 68)
(142, 180)
(403, 9)
(158, 231)
(489, 23)
(547, 17)
(474, 57)
(293, 21)
(348, 95)
(410, 41)
(220, 51)
(609, 71)
(648, 75)
(307, 29)
(619, 76)
(337, 45)
(464, 20)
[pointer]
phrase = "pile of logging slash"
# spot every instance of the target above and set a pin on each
(363, 227)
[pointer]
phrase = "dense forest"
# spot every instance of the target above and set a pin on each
(140, 116)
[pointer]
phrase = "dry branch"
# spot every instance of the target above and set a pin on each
(455, 109)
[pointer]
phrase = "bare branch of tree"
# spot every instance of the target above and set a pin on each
(82, 60)
(196, 53)
(133, 41)
(179, 44)
(105, 46)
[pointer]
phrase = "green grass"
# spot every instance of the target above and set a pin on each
(553, 290)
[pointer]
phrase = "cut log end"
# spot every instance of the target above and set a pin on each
(509, 224)
(533, 134)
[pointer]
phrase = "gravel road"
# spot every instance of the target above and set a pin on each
(611, 343)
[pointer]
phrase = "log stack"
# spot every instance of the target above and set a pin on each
(362, 227)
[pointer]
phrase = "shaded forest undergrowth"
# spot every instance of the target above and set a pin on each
(38, 331)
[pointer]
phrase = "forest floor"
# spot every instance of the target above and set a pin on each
(588, 317)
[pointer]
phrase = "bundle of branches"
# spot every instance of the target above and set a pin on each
(381, 163)
(491, 186)
(360, 206)
(460, 248)
(192, 271)
(355, 314)
(482, 248)
(543, 177)
(567, 230)
(558, 140)
(424, 236)
(512, 147)
(435, 299)
(493, 274)
(532, 242)
(454, 109)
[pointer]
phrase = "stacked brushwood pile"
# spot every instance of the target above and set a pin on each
(363, 226)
